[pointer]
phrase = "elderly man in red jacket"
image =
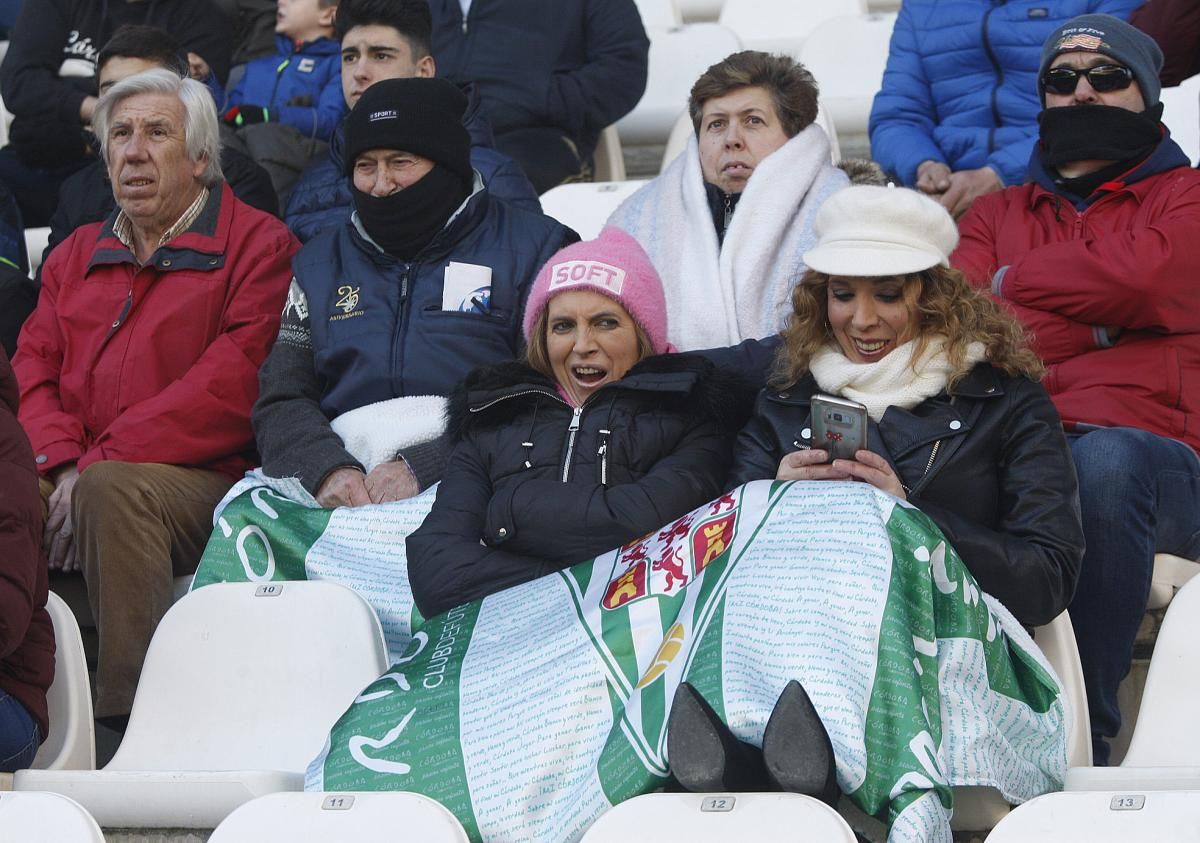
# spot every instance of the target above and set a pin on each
(139, 366)
(1099, 255)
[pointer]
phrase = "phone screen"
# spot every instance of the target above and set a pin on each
(838, 426)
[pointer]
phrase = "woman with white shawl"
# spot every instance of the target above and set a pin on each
(727, 223)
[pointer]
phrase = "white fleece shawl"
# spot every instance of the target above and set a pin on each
(741, 292)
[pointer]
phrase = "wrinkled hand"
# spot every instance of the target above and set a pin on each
(966, 186)
(933, 177)
(343, 487)
(391, 481)
(59, 536)
(812, 464)
(874, 469)
(199, 67)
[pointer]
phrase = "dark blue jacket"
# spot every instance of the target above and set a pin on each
(396, 340)
(961, 83)
(574, 65)
(301, 85)
(321, 197)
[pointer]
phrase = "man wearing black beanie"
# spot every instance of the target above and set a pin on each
(409, 160)
(424, 282)
(1098, 256)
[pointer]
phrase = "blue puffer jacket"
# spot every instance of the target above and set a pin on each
(387, 335)
(321, 196)
(961, 83)
(301, 85)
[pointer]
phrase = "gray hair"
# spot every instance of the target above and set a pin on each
(200, 129)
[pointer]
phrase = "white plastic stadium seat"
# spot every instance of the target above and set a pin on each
(35, 243)
(1164, 752)
(719, 818)
(241, 685)
(659, 13)
(678, 55)
(696, 11)
(981, 808)
(1103, 817)
(1171, 573)
(335, 817)
(775, 27)
(847, 56)
(71, 744)
(608, 158)
(1181, 113)
(45, 818)
(586, 207)
(683, 129)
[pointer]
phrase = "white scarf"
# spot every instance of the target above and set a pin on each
(895, 381)
(741, 291)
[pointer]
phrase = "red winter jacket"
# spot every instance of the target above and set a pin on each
(26, 634)
(157, 363)
(1129, 259)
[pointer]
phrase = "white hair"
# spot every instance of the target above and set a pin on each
(200, 130)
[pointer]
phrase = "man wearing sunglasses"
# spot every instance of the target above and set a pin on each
(1099, 256)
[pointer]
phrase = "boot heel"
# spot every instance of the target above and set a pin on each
(797, 752)
(705, 756)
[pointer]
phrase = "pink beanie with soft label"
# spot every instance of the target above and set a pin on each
(614, 265)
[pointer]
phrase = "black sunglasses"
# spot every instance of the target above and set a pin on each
(1103, 78)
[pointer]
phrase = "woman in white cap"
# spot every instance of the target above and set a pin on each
(958, 423)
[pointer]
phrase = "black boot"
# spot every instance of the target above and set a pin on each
(796, 748)
(705, 756)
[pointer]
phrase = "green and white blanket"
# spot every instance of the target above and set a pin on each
(532, 711)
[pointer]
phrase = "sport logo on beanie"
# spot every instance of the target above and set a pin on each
(389, 114)
(591, 273)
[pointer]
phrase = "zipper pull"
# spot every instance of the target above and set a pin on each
(728, 212)
(602, 453)
(464, 23)
(574, 425)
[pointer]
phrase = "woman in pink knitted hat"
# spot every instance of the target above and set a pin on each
(597, 437)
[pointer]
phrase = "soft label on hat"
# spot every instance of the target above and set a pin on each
(467, 288)
(1080, 38)
(591, 273)
(386, 114)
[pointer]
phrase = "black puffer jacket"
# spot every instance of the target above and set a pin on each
(525, 494)
(1001, 486)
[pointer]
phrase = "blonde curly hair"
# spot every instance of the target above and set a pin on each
(943, 303)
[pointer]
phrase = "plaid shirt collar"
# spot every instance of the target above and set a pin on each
(123, 228)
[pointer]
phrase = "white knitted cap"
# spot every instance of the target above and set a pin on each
(868, 231)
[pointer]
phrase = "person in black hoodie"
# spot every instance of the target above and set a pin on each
(597, 437)
(552, 74)
(48, 82)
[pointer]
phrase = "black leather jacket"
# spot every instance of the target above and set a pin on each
(1001, 485)
(534, 486)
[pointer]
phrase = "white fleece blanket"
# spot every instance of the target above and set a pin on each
(374, 433)
(719, 298)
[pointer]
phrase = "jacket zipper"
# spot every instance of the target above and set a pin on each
(728, 214)
(464, 23)
(572, 430)
(987, 47)
(602, 453)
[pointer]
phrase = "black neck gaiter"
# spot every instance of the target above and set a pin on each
(403, 223)
(1097, 133)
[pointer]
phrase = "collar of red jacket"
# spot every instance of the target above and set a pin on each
(201, 247)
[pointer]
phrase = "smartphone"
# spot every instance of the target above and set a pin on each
(838, 426)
